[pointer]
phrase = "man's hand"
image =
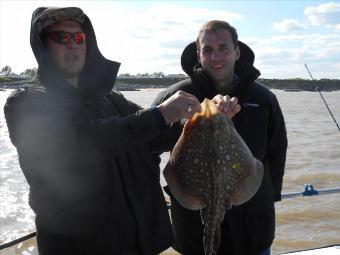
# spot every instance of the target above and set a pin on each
(228, 106)
(180, 105)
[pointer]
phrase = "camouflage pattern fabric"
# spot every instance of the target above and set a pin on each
(53, 15)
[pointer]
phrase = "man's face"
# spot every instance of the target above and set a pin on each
(218, 54)
(70, 57)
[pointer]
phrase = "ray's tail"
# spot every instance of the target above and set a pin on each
(212, 230)
(211, 240)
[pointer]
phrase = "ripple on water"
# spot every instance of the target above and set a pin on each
(314, 222)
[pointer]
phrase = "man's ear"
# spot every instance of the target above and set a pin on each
(198, 56)
(238, 52)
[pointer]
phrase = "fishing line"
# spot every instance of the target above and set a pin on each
(317, 89)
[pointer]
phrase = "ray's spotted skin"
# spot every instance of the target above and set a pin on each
(211, 169)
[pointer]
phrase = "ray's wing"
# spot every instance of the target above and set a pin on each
(251, 184)
(185, 173)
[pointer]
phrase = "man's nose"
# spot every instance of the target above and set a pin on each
(215, 55)
(71, 44)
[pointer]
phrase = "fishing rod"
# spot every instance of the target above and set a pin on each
(317, 89)
(307, 191)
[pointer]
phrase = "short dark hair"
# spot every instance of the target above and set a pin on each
(213, 26)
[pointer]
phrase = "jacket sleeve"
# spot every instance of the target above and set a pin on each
(167, 139)
(277, 147)
(37, 124)
(169, 135)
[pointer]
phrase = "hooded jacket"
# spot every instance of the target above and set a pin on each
(248, 228)
(88, 153)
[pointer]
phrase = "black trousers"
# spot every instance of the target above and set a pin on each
(55, 244)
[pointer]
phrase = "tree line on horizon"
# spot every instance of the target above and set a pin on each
(7, 70)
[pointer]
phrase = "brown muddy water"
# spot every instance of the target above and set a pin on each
(313, 157)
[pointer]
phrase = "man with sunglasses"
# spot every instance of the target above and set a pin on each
(65, 41)
(88, 154)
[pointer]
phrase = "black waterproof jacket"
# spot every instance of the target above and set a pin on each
(87, 156)
(249, 228)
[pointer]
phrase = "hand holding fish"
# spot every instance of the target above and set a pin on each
(178, 106)
(227, 105)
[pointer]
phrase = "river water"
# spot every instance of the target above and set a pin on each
(313, 157)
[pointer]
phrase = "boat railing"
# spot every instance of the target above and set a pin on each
(308, 190)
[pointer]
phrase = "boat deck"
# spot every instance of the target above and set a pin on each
(330, 250)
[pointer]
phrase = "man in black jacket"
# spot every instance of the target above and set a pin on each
(87, 153)
(217, 63)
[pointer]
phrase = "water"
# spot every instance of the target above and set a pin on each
(313, 157)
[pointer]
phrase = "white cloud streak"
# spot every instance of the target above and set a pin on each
(327, 14)
(284, 56)
(288, 25)
(161, 33)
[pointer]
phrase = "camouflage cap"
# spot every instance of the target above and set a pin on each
(53, 15)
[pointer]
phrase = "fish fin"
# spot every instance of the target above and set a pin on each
(186, 199)
(252, 184)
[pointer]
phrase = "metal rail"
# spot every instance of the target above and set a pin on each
(16, 241)
(307, 191)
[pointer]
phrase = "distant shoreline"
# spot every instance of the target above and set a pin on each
(135, 84)
(287, 85)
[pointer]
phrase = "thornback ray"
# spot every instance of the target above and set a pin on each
(211, 169)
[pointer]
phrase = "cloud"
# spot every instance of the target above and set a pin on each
(155, 37)
(161, 22)
(288, 25)
(284, 56)
(337, 28)
(327, 14)
(173, 44)
(152, 39)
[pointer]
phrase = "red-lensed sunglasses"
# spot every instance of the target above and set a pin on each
(63, 37)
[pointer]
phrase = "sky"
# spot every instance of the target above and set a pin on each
(149, 36)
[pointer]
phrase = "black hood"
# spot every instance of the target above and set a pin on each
(99, 73)
(189, 57)
(244, 68)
